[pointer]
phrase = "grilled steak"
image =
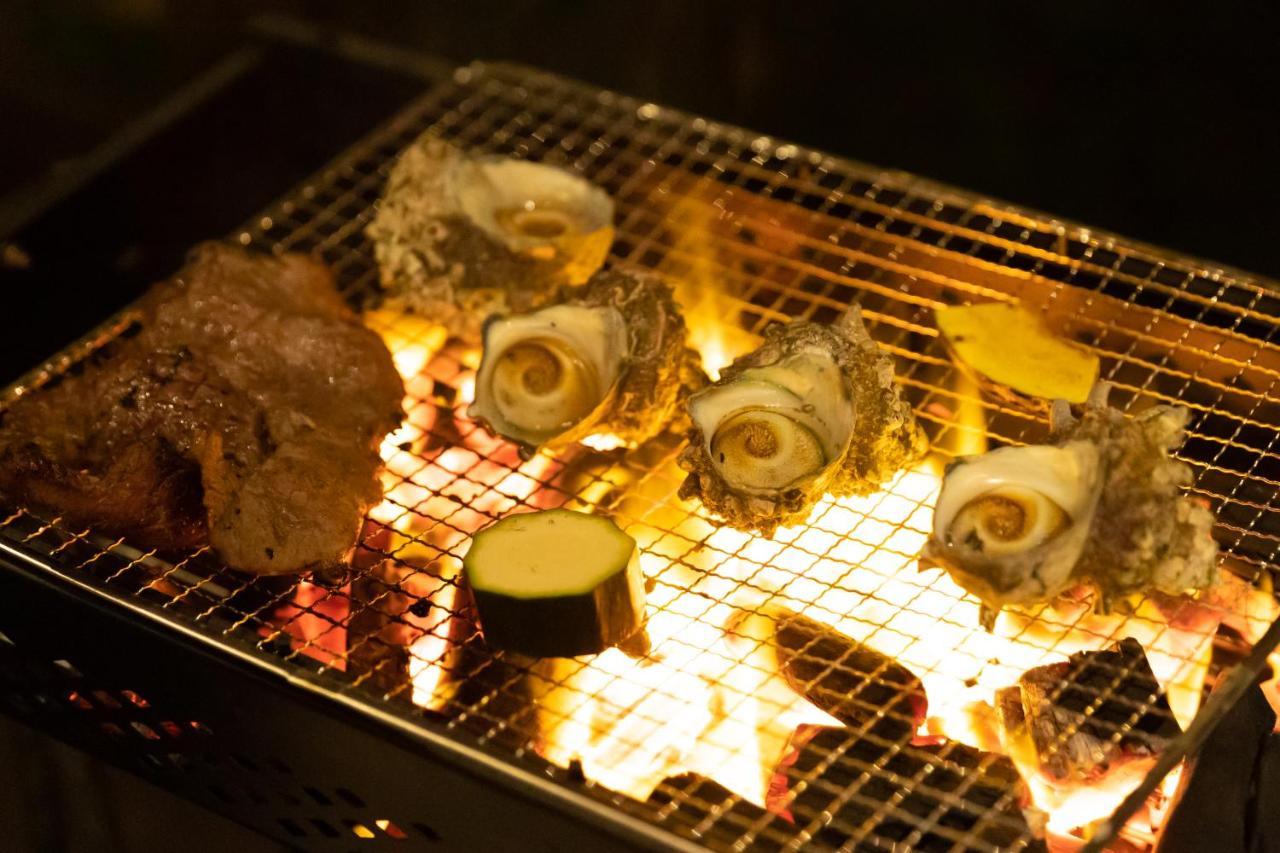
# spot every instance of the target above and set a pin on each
(245, 414)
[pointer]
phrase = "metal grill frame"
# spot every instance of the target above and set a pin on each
(883, 228)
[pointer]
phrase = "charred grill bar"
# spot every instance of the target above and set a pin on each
(332, 711)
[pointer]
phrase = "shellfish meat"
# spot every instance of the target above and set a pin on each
(813, 412)
(1101, 508)
(608, 357)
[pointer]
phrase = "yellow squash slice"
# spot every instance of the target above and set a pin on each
(1011, 347)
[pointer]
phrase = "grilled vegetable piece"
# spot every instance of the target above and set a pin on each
(1095, 714)
(1009, 346)
(947, 790)
(856, 684)
(555, 583)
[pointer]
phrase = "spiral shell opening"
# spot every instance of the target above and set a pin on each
(543, 386)
(765, 450)
(775, 427)
(1007, 520)
(1010, 525)
(536, 222)
(545, 375)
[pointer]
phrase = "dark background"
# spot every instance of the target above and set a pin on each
(1151, 120)
(1157, 122)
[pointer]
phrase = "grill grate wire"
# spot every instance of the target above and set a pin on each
(782, 233)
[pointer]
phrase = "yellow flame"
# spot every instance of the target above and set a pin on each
(428, 653)
(699, 702)
(412, 340)
(603, 442)
(698, 272)
(708, 707)
(696, 704)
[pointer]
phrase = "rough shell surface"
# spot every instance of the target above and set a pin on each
(1144, 534)
(658, 371)
(1147, 533)
(435, 262)
(884, 440)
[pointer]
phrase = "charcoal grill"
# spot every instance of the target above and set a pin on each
(365, 712)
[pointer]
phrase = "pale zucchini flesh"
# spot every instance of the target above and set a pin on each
(555, 583)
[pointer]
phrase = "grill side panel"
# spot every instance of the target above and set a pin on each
(245, 744)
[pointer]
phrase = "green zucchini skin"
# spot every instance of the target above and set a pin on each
(563, 624)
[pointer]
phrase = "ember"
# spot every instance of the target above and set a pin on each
(1090, 716)
(958, 791)
(1094, 723)
(752, 640)
(855, 684)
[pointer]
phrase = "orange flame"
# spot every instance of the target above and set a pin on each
(699, 702)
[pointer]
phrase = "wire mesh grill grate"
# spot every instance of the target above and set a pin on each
(756, 232)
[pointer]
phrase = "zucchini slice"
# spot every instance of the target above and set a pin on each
(555, 583)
